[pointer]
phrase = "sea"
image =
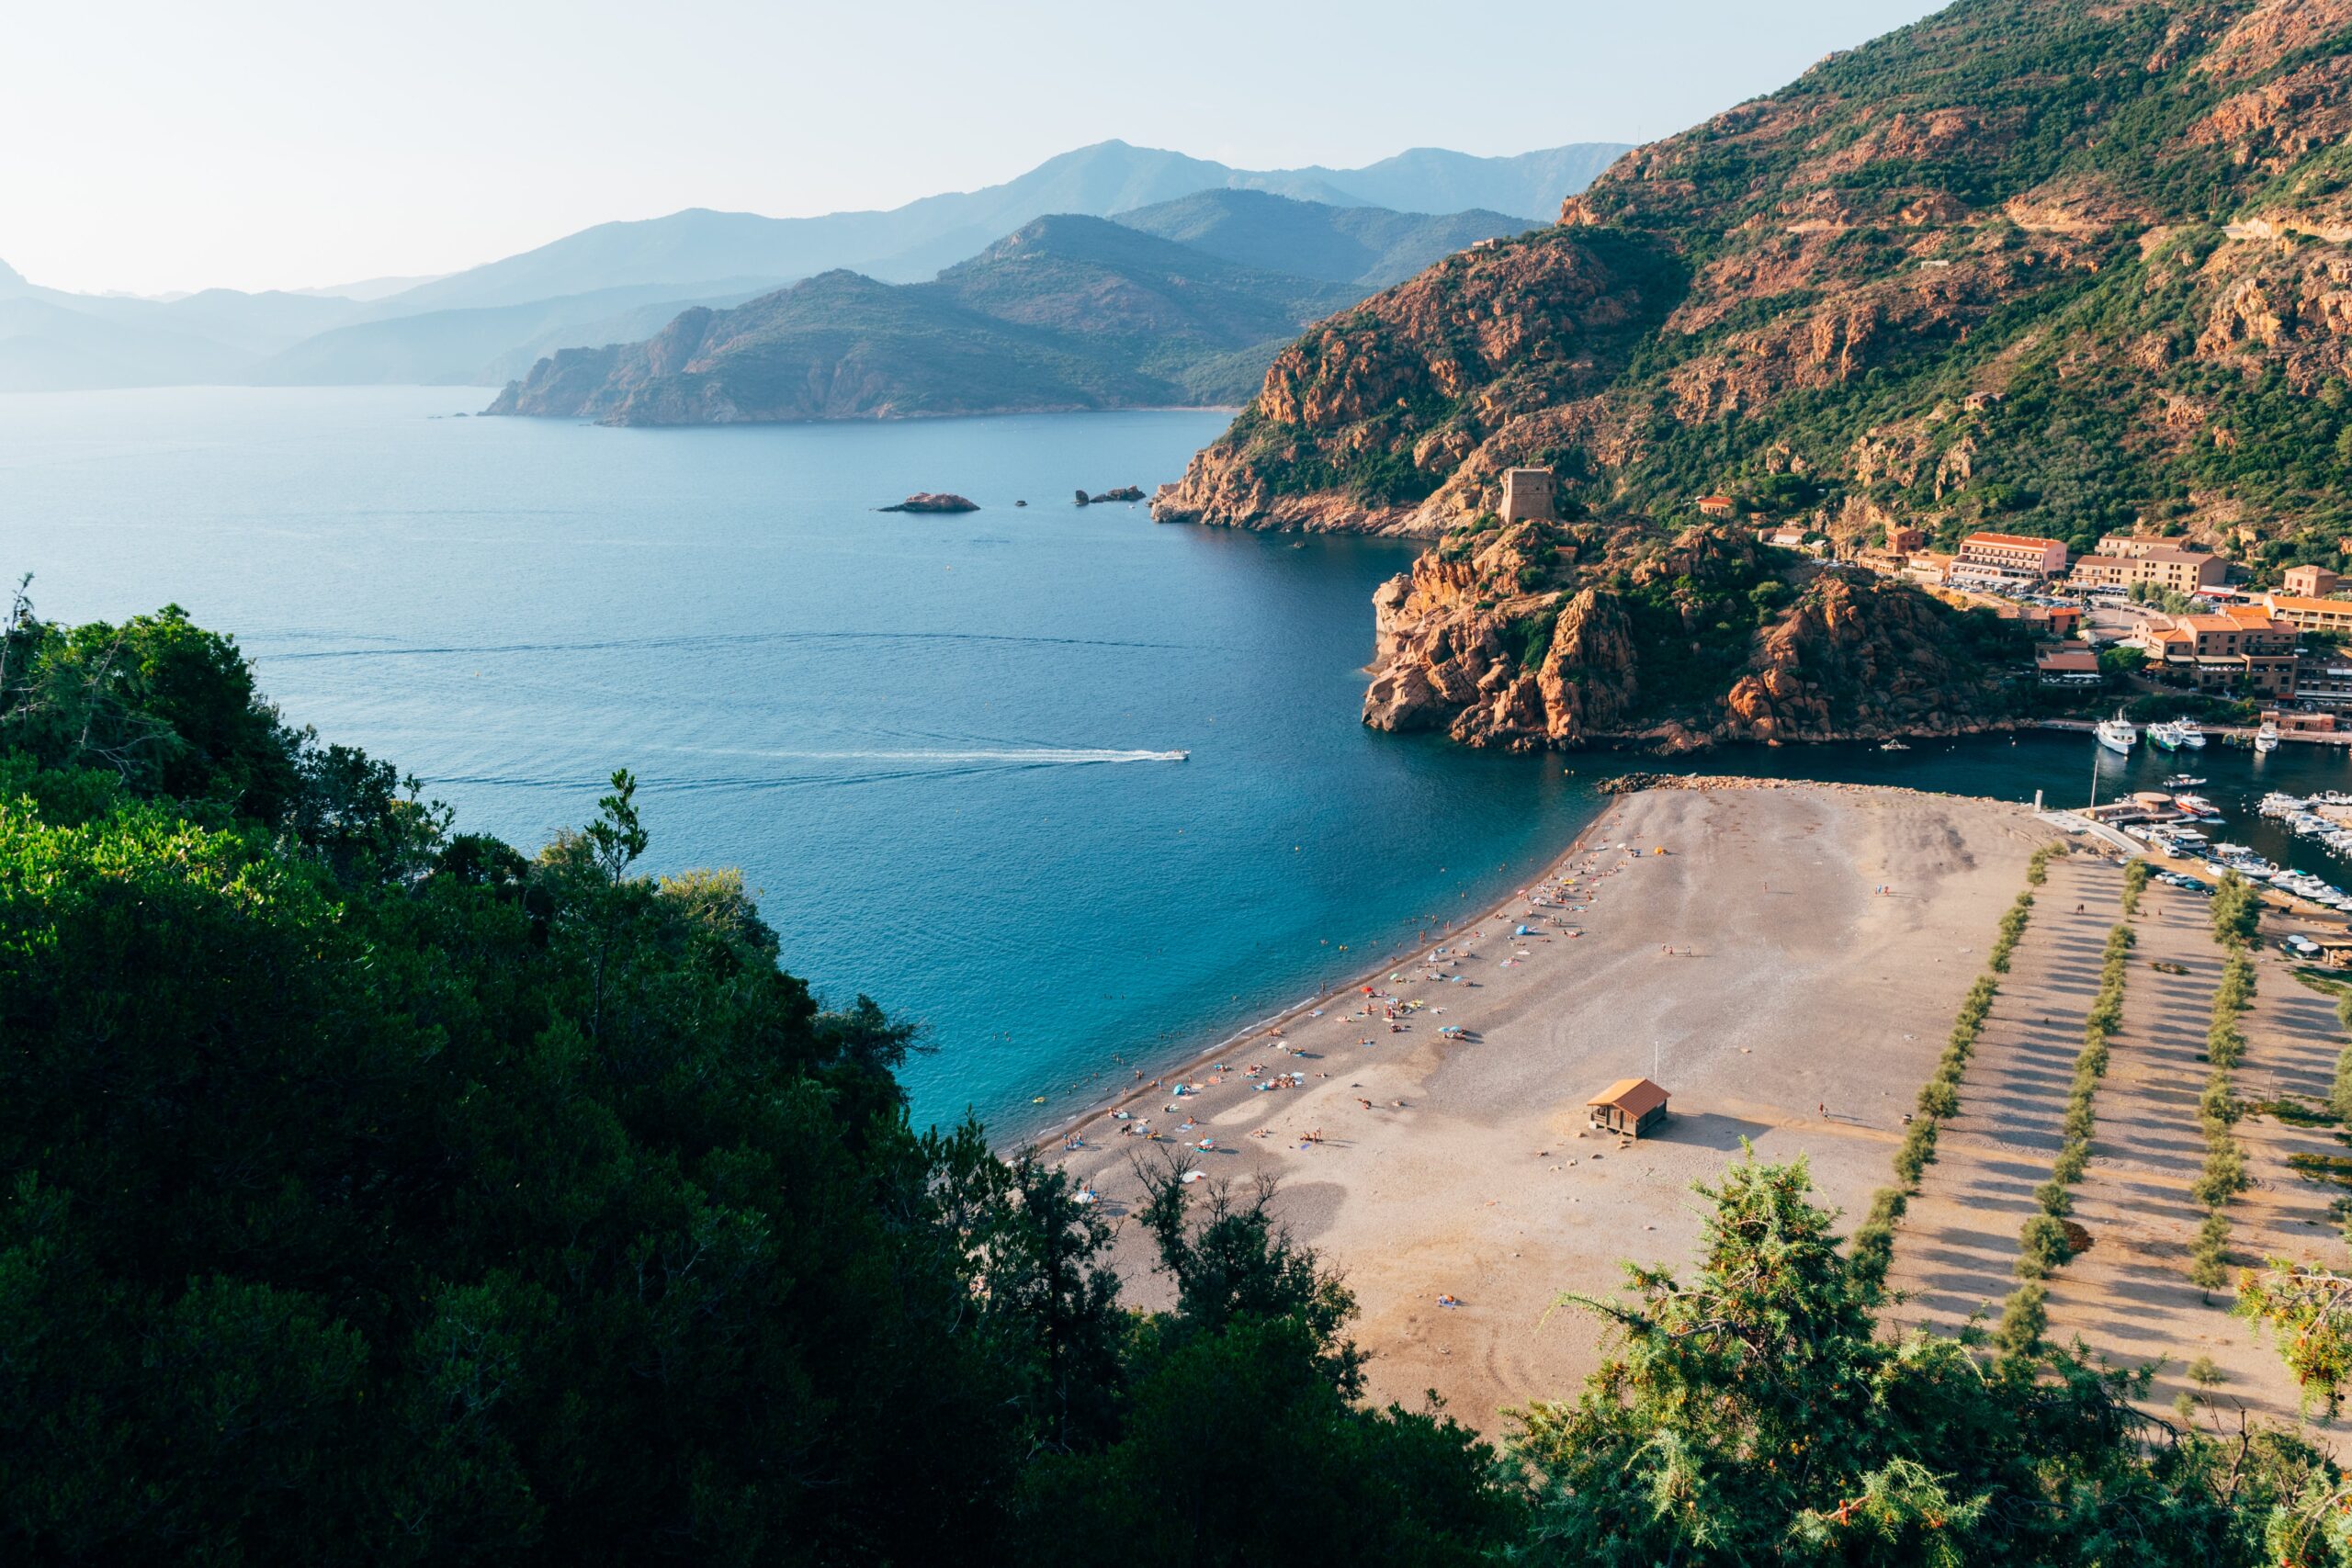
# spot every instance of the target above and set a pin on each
(1076, 791)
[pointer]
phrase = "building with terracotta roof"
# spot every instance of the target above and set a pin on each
(1717, 505)
(2068, 667)
(1630, 1106)
(2311, 614)
(2227, 652)
(2310, 581)
(2176, 571)
(2002, 559)
(2127, 547)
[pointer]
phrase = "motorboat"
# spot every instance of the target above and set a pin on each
(2265, 739)
(2183, 781)
(2165, 737)
(2116, 733)
(2189, 734)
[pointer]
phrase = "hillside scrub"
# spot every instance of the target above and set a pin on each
(378, 1193)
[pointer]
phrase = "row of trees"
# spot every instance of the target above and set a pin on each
(376, 1192)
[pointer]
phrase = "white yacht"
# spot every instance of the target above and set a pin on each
(2185, 728)
(2265, 739)
(2117, 735)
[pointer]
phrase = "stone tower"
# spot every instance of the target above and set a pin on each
(1527, 495)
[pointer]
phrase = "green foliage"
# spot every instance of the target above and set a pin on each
(2042, 1243)
(1754, 1410)
(381, 1194)
(1873, 1248)
(2236, 909)
(378, 1194)
(2135, 882)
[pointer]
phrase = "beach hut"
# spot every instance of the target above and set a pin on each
(1633, 1106)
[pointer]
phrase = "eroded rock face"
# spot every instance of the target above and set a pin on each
(1535, 637)
(1820, 274)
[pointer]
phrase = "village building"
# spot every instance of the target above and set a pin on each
(1527, 495)
(1630, 1106)
(1717, 505)
(2299, 723)
(2174, 571)
(2067, 667)
(2232, 653)
(1902, 539)
(2310, 581)
(2311, 615)
(1927, 567)
(2007, 560)
(2132, 546)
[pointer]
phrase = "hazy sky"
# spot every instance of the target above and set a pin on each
(168, 145)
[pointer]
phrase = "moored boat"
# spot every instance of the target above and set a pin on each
(2116, 733)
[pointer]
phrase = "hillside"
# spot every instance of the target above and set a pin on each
(1372, 246)
(2064, 265)
(909, 244)
(1069, 312)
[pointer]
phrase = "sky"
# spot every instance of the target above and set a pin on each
(162, 146)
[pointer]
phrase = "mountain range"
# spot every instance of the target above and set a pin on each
(2050, 266)
(1183, 303)
(623, 281)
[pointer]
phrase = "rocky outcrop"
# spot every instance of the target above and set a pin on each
(1830, 277)
(1123, 492)
(1537, 637)
(933, 501)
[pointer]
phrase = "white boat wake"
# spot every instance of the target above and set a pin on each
(1027, 756)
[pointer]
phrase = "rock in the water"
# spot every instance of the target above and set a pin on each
(1124, 492)
(1081, 497)
(1020, 503)
(928, 500)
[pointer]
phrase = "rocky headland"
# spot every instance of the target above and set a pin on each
(2062, 268)
(1557, 635)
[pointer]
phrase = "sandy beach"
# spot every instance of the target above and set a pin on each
(1787, 967)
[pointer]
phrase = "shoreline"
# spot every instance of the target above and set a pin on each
(1784, 956)
(1047, 1139)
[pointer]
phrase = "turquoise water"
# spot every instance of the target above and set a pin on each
(918, 736)
(924, 740)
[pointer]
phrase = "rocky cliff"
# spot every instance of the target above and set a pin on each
(2056, 266)
(2064, 264)
(1536, 634)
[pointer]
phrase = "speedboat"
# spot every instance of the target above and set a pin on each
(2117, 735)
(2183, 781)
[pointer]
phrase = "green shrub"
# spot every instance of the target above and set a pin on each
(2025, 1317)
(2135, 882)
